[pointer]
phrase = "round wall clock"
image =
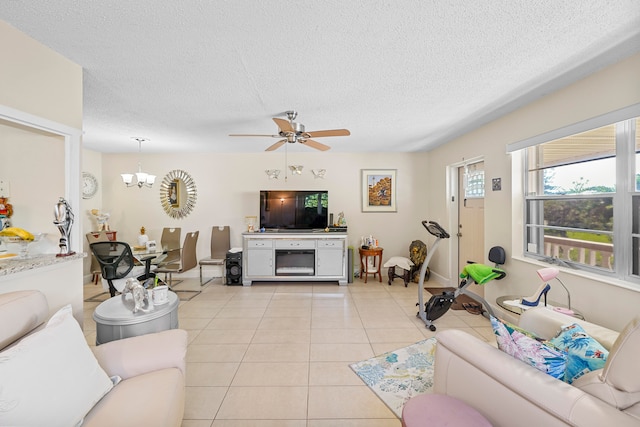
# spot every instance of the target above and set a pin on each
(89, 185)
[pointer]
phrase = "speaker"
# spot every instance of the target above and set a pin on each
(233, 267)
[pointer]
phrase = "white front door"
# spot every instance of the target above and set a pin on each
(470, 232)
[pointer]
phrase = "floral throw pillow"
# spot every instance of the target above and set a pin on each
(584, 354)
(521, 345)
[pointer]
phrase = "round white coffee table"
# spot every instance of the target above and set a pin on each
(115, 320)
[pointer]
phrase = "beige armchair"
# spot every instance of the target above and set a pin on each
(509, 392)
(65, 381)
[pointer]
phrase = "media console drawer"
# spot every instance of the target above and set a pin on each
(334, 243)
(260, 243)
(295, 244)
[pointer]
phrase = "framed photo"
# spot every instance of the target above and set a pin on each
(379, 190)
(174, 193)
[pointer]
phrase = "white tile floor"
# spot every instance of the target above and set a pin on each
(278, 354)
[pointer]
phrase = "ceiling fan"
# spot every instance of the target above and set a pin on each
(293, 132)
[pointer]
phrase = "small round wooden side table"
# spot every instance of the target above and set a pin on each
(376, 253)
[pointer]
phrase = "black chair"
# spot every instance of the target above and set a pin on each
(118, 263)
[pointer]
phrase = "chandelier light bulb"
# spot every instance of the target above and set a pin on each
(143, 179)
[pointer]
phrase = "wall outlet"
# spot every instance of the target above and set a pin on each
(4, 188)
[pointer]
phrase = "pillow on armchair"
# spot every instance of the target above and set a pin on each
(584, 353)
(51, 377)
(523, 346)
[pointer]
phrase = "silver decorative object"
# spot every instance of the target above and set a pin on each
(139, 293)
(63, 219)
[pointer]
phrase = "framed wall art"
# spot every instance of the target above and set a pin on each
(379, 190)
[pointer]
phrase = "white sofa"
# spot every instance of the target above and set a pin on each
(49, 374)
(509, 392)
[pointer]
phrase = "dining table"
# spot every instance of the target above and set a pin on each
(146, 256)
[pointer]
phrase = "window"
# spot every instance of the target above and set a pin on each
(474, 181)
(579, 191)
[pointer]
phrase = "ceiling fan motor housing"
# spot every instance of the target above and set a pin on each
(298, 131)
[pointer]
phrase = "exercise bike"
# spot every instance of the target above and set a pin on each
(438, 305)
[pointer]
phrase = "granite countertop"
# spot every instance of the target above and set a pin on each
(16, 265)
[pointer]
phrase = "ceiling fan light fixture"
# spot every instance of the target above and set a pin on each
(272, 173)
(318, 173)
(296, 169)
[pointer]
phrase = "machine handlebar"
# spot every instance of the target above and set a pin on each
(435, 229)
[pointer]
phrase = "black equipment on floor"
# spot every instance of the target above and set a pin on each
(233, 268)
(438, 305)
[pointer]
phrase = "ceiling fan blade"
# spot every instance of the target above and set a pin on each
(314, 144)
(331, 132)
(252, 134)
(276, 145)
(284, 125)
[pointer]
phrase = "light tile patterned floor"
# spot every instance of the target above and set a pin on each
(278, 354)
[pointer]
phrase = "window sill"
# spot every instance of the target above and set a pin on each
(582, 274)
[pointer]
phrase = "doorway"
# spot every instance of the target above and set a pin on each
(468, 216)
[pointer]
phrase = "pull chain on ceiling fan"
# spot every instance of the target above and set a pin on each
(293, 132)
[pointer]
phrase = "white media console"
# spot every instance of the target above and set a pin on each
(294, 256)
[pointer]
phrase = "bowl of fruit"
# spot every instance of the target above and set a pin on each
(20, 236)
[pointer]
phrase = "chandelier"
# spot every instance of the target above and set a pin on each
(143, 179)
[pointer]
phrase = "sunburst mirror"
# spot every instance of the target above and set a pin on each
(178, 194)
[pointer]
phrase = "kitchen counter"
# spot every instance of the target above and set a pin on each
(17, 265)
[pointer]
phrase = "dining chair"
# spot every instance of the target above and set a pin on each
(220, 245)
(187, 260)
(93, 237)
(117, 264)
(170, 242)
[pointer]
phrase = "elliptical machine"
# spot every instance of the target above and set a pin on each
(438, 305)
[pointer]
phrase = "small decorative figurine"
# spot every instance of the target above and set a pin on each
(6, 210)
(102, 219)
(143, 238)
(138, 292)
(341, 221)
(63, 219)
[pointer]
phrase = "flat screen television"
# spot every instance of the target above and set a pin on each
(294, 209)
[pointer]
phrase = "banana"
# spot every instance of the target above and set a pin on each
(17, 232)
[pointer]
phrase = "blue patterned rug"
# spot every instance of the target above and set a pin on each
(398, 375)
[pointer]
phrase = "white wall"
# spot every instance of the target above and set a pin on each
(47, 88)
(228, 188)
(37, 80)
(609, 303)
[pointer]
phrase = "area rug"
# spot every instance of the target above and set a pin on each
(398, 375)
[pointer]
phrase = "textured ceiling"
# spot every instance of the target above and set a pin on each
(401, 76)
